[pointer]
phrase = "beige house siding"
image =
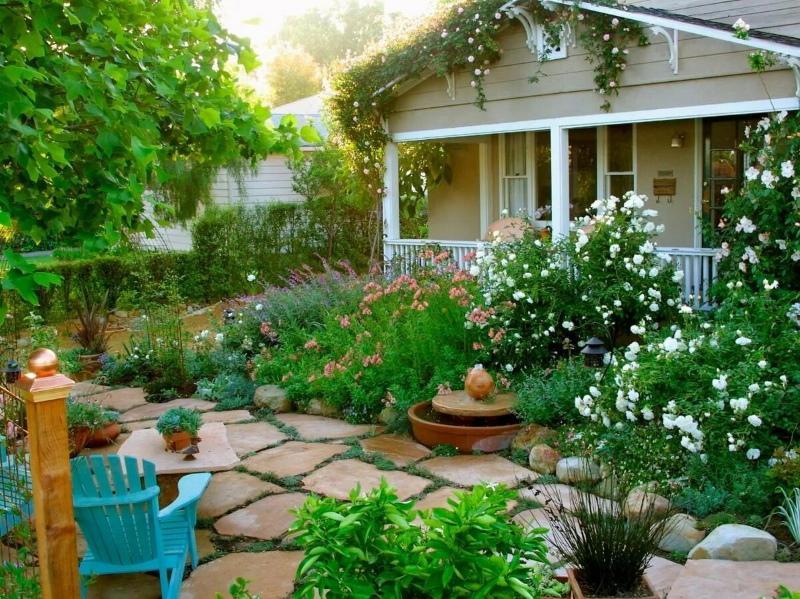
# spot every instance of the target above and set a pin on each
(710, 71)
(454, 209)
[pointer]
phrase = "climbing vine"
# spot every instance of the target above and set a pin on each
(463, 36)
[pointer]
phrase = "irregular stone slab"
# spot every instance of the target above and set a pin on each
(215, 452)
(121, 400)
(470, 470)
(253, 436)
(139, 425)
(733, 580)
(543, 459)
(227, 416)
(292, 458)
(736, 542)
(437, 498)
(317, 428)
(577, 470)
(399, 449)
(154, 410)
(84, 388)
(125, 586)
(661, 574)
(337, 479)
(273, 398)
(271, 575)
(562, 497)
(267, 518)
(228, 490)
(681, 534)
(205, 546)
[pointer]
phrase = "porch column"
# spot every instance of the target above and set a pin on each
(559, 172)
(391, 195)
(485, 168)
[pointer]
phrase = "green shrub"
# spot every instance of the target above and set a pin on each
(177, 420)
(230, 390)
(546, 396)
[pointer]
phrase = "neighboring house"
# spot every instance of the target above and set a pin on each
(270, 183)
(547, 148)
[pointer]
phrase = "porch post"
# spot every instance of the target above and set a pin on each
(559, 165)
(391, 196)
(484, 162)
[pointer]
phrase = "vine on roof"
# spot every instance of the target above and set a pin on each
(463, 36)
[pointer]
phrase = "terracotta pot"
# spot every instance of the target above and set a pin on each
(77, 439)
(578, 593)
(104, 436)
(90, 362)
(479, 384)
(177, 441)
(465, 438)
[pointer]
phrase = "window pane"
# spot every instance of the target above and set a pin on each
(516, 163)
(618, 185)
(582, 170)
(516, 193)
(723, 164)
(620, 149)
(544, 188)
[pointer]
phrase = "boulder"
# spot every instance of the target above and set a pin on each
(317, 407)
(272, 397)
(609, 488)
(387, 416)
(533, 434)
(639, 502)
(577, 470)
(543, 459)
(736, 542)
(681, 534)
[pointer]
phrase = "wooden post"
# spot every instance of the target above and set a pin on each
(45, 392)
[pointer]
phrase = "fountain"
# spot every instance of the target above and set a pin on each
(473, 419)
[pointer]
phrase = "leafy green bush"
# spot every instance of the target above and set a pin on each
(546, 396)
(230, 390)
(87, 414)
(370, 547)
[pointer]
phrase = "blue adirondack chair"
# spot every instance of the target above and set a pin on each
(16, 502)
(116, 506)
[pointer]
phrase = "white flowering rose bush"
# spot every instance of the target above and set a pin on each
(760, 228)
(539, 300)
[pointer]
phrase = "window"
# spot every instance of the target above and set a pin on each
(549, 45)
(515, 174)
(543, 187)
(620, 168)
(582, 170)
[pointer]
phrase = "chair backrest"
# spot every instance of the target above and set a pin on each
(116, 506)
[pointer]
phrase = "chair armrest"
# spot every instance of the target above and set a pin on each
(190, 489)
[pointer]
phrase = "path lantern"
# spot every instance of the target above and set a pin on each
(594, 353)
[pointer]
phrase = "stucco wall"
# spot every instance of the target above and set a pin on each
(454, 209)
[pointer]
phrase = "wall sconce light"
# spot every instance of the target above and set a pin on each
(677, 140)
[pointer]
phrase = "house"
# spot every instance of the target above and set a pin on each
(270, 183)
(548, 150)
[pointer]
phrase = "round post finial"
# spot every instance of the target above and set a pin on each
(43, 362)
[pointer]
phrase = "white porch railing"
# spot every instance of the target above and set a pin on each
(699, 265)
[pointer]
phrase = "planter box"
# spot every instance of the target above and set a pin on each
(577, 593)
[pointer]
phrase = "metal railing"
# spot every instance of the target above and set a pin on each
(699, 265)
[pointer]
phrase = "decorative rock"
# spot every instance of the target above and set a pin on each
(641, 502)
(317, 407)
(543, 459)
(273, 398)
(609, 488)
(388, 415)
(681, 534)
(271, 575)
(733, 580)
(563, 497)
(533, 434)
(577, 470)
(471, 470)
(736, 542)
(337, 479)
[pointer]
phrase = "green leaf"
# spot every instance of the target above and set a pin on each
(32, 41)
(19, 262)
(310, 134)
(248, 59)
(144, 154)
(108, 142)
(209, 116)
(5, 219)
(47, 279)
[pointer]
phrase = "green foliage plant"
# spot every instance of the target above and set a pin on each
(87, 414)
(176, 420)
(546, 396)
(789, 510)
(239, 590)
(91, 331)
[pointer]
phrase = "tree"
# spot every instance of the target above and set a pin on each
(344, 29)
(292, 75)
(102, 99)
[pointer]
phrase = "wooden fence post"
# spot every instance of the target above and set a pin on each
(45, 392)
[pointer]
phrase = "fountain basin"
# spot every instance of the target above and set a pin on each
(467, 435)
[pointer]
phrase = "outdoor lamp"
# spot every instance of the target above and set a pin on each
(593, 353)
(228, 316)
(677, 140)
(12, 372)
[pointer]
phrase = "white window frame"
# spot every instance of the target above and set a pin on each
(529, 176)
(604, 174)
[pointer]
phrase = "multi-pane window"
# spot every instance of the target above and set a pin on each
(620, 169)
(515, 174)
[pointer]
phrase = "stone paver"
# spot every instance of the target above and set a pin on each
(120, 400)
(437, 498)
(228, 490)
(733, 580)
(267, 518)
(253, 436)
(317, 428)
(661, 574)
(292, 458)
(125, 586)
(84, 388)
(337, 479)
(205, 546)
(399, 449)
(154, 410)
(271, 574)
(139, 425)
(470, 470)
(227, 416)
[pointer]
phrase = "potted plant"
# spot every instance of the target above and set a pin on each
(107, 431)
(83, 418)
(607, 546)
(179, 427)
(91, 332)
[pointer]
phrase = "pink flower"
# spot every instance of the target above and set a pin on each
(606, 37)
(373, 360)
(344, 322)
(444, 389)
(312, 344)
(477, 346)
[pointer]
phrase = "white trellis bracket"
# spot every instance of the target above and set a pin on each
(672, 44)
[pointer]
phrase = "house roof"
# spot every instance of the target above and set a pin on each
(307, 110)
